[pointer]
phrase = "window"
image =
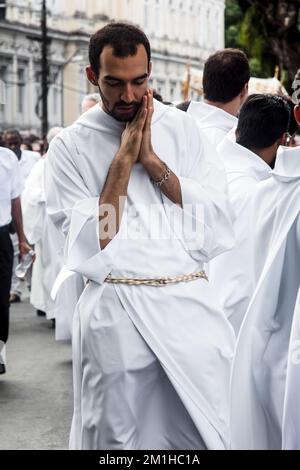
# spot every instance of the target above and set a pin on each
(208, 30)
(55, 7)
(3, 77)
(173, 91)
(3, 72)
(161, 88)
(2, 9)
(21, 90)
(55, 101)
(80, 5)
(157, 17)
(146, 14)
(199, 27)
(217, 27)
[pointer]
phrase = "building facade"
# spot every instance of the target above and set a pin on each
(181, 33)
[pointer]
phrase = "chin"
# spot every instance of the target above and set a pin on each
(123, 118)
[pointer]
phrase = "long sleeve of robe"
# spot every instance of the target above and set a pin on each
(201, 183)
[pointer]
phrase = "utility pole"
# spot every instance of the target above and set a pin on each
(45, 70)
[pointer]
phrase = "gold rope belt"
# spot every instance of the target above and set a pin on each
(160, 281)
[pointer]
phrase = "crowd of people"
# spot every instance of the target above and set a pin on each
(166, 247)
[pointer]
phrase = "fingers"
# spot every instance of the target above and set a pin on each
(150, 108)
(141, 115)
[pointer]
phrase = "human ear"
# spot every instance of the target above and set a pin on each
(297, 114)
(91, 76)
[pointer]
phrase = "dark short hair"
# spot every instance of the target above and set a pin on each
(122, 37)
(263, 119)
(14, 132)
(225, 74)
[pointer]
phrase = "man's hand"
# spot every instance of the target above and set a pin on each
(115, 189)
(146, 150)
(132, 135)
(154, 166)
(24, 248)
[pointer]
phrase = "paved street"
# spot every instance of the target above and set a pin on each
(36, 392)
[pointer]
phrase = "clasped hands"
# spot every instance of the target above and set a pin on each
(136, 138)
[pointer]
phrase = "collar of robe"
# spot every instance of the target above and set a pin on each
(97, 119)
(210, 116)
(287, 166)
(238, 159)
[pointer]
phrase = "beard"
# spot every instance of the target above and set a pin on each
(121, 111)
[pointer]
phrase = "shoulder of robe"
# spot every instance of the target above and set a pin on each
(6, 153)
(63, 142)
(7, 158)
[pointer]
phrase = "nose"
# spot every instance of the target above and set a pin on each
(127, 94)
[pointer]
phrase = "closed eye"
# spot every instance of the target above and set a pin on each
(112, 82)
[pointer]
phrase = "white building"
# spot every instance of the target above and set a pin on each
(180, 32)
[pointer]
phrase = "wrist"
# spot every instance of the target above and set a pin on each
(21, 239)
(150, 161)
(124, 159)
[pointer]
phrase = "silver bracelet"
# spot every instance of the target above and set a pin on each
(164, 178)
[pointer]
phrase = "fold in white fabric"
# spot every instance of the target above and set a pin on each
(259, 370)
(126, 337)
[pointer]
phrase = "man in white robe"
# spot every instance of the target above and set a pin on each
(248, 159)
(259, 370)
(225, 88)
(36, 229)
(48, 245)
(151, 364)
(291, 411)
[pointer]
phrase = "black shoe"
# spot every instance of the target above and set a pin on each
(14, 299)
(2, 369)
(40, 313)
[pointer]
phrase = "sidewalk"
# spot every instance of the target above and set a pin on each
(36, 397)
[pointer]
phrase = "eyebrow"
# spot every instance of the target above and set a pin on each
(110, 77)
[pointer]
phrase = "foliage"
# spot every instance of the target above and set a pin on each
(268, 31)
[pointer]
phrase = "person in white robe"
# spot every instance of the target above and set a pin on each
(151, 364)
(88, 101)
(260, 413)
(48, 245)
(258, 381)
(27, 159)
(248, 158)
(291, 410)
(36, 228)
(225, 88)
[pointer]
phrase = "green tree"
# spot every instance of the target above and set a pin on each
(233, 20)
(269, 31)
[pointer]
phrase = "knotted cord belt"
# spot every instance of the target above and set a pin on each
(159, 282)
